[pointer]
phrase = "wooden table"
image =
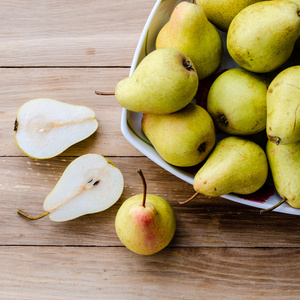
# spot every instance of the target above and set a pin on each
(66, 50)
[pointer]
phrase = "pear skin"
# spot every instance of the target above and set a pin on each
(237, 102)
(165, 81)
(145, 230)
(236, 165)
(297, 44)
(189, 31)
(284, 161)
(222, 12)
(262, 36)
(145, 223)
(283, 107)
(183, 138)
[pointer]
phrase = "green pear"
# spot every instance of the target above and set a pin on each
(283, 107)
(90, 184)
(145, 223)
(297, 44)
(183, 138)
(262, 36)
(164, 82)
(44, 127)
(189, 31)
(296, 1)
(222, 12)
(237, 102)
(284, 161)
(236, 165)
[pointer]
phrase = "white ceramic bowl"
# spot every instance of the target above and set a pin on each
(131, 121)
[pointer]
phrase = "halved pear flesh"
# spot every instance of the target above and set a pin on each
(44, 127)
(90, 184)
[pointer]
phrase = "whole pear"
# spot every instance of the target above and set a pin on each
(189, 31)
(183, 138)
(283, 107)
(237, 102)
(284, 161)
(145, 223)
(222, 12)
(262, 36)
(236, 165)
(165, 81)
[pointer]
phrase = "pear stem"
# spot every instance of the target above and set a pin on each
(22, 213)
(104, 93)
(188, 200)
(273, 207)
(144, 185)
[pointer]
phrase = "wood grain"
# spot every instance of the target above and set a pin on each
(70, 33)
(213, 222)
(72, 85)
(66, 50)
(115, 273)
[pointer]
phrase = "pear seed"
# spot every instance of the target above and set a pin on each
(16, 125)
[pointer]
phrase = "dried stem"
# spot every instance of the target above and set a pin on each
(104, 93)
(144, 186)
(273, 207)
(188, 200)
(22, 213)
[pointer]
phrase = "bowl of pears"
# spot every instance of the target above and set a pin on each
(213, 97)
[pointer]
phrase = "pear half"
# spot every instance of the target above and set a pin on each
(44, 127)
(90, 184)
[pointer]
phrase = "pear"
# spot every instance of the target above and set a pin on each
(296, 1)
(284, 161)
(283, 107)
(237, 102)
(90, 184)
(145, 223)
(164, 82)
(262, 36)
(44, 127)
(236, 165)
(183, 138)
(297, 44)
(189, 31)
(222, 12)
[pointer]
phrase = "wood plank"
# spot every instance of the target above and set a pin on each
(116, 273)
(205, 222)
(70, 33)
(72, 85)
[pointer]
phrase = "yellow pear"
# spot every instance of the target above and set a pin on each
(283, 107)
(165, 81)
(236, 165)
(261, 37)
(237, 102)
(284, 161)
(189, 31)
(183, 138)
(145, 223)
(222, 12)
